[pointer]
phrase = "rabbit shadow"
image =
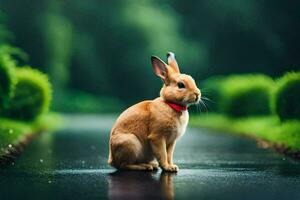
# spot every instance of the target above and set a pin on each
(140, 185)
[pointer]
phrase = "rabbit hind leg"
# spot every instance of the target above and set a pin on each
(127, 152)
(139, 166)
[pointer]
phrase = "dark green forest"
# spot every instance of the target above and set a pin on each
(99, 51)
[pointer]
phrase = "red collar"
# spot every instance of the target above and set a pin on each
(177, 107)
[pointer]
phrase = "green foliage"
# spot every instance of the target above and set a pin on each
(14, 53)
(7, 72)
(5, 34)
(286, 98)
(32, 95)
(83, 46)
(58, 33)
(84, 102)
(7, 79)
(246, 95)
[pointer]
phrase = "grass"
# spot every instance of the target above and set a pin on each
(268, 128)
(12, 131)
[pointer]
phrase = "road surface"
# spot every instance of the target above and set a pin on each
(71, 164)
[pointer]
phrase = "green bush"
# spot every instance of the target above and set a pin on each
(246, 95)
(286, 98)
(7, 80)
(32, 95)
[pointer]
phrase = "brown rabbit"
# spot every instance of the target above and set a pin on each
(148, 130)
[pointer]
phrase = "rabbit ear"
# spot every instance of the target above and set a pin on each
(160, 68)
(172, 62)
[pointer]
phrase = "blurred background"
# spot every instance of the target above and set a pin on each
(97, 53)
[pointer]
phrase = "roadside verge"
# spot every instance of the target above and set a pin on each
(15, 135)
(267, 130)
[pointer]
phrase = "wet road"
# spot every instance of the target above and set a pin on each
(71, 164)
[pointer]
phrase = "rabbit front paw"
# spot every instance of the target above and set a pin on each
(170, 168)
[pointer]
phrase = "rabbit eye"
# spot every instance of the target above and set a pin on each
(180, 85)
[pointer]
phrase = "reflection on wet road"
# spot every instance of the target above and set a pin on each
(71, 164)
(140, 185)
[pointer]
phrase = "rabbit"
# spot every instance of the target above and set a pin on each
(144, 136)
